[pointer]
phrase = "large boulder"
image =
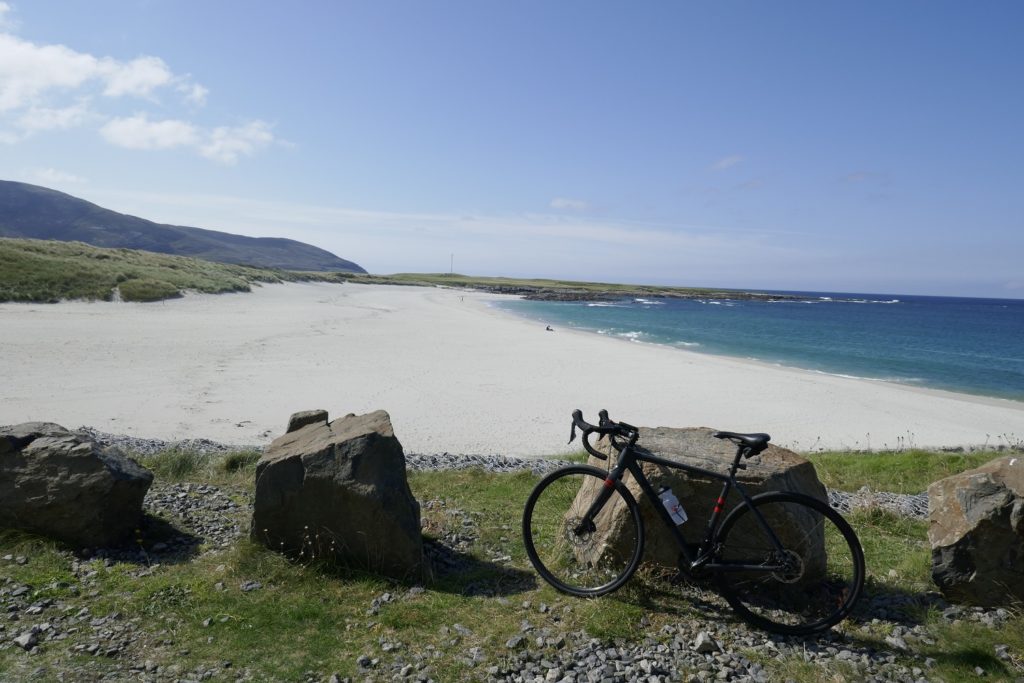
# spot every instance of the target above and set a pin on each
(338, 490)
(775, 469)
(64, 485)
(976, 531)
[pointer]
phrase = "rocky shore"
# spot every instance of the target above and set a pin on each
(878, 644)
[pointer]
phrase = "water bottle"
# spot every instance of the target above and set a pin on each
(672, 504)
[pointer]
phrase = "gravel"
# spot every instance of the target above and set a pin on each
(877, 644)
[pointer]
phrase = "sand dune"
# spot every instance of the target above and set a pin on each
(455, 374)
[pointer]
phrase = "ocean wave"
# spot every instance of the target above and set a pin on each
(648, 302)
(604, 304)
(686, 344)
(895, 380)
(871, 301)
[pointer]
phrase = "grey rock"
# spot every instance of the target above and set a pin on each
(976, 531)
(306, 417)
(27, 640)
(774, 469)
(66, 486)
(339, 490)
(705, 644)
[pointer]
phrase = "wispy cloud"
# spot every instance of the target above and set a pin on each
(52, 176)
(566, 203)
(7, 22)
(224, 144)
(726, 162)
(48, 118)
(551, 243)
(138, 132)
(46, 87)
(32, 74)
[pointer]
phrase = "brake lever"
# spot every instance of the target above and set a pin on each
(572, 433)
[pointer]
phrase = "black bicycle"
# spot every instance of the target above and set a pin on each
(784, 561)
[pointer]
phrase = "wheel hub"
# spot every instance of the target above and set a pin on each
(793, 567)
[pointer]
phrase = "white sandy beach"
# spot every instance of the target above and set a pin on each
(455, 374)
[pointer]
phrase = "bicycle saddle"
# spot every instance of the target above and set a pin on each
(755, 443)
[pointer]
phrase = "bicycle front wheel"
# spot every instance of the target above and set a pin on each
(819, 571)
(578, 550)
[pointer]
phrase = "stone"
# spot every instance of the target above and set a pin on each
(27, 640)
(338, 491)
(775, 469)
(64, 485)
(306, 417)
(705, 644)
(976, 532)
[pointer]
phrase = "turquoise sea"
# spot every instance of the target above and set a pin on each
(974, 346)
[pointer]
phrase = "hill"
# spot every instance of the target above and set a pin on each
(34, 212)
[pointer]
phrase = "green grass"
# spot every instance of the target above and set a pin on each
(51, 271)
(181, 464)
(900, 472)
(316, 617)
(527, 284)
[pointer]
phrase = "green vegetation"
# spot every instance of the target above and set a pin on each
(321, 618)
(48, 271)
(553, 288)
(900, 472)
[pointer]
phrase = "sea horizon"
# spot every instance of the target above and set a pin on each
(969, 345)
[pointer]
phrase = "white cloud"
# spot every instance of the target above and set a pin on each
(193, 92)
(139, 77)
(30, 73)
(566, 203)
(227, 144)
(6, 22)
(54, 87)
(224, 145)
(27, 71)
(52, 176)
(138, 132)
(726, 162)
(45, 118)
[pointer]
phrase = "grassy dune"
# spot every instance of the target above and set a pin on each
(51, 271)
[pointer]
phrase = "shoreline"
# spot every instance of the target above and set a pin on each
(693, 347)
(456, 374)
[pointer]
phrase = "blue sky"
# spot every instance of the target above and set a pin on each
(874, 147)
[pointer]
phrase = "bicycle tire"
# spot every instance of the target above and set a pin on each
(590, 563)
(821, 588)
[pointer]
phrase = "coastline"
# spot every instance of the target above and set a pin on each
(456, 374)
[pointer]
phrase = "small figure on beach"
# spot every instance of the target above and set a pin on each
(549, 328)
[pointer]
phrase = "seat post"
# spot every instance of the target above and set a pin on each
(740, 450)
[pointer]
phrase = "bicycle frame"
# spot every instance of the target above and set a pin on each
(629, 461)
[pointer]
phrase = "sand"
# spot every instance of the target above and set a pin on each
(456, 375)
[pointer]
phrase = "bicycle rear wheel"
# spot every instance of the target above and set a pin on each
(824, 564)
(576, 555)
